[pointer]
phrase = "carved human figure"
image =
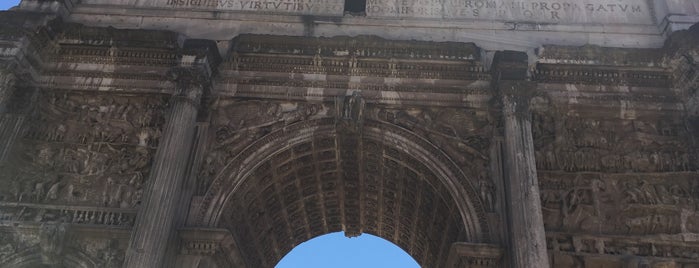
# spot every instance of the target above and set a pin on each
(598, 189)
(143, 137)
(136, 185)
(487, 192)
(52, 237)
(6, 250)
(111, 256)
(52, 193)
(26, 192)
(71, 195)
(106, 191)
(39, 191)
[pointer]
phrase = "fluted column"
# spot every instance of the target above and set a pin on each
(7, 83)
(525, 220)
(156, 218)
(10, 123)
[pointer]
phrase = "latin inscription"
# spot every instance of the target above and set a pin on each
(585, 11)
(318, 7)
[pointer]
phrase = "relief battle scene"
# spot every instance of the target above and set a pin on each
(83, 150)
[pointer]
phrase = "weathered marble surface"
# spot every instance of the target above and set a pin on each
(403, 139)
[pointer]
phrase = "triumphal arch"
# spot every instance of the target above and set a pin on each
(222, 133)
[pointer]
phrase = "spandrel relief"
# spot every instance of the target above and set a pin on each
(464, 135)
(86, 150)
(236, 124)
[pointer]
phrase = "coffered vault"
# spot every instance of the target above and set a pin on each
(206, 134)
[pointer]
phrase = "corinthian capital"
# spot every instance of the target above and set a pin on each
(511, 81)
(197, 62)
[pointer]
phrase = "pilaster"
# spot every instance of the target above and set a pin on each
(158, 213)
(526, 227)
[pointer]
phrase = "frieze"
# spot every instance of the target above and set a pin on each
(575, 74)
(14, 212)
(358, 56)
(573, 143)
(352, 65)
(643, 204)
(623, 250)
(360, 46)
(409, 85)
(92, 76)
(590, 55)
(69, 53)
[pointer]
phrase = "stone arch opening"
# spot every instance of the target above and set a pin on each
(305, 180)
(334, 249)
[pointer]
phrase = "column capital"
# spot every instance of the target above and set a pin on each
(190, 82)
(202, 242)
(467, 255)
(510, 71)
(198, 60)
(208, 242)
(7, 84)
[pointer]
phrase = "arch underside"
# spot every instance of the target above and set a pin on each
(314, 188)
(301, 193)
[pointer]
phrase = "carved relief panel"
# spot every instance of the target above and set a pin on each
(577, 143)
(59, 245)
(85, 149)
(615, 188)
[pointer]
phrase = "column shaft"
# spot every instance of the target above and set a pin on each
(10, 124)
(156, 217)
(527, 233)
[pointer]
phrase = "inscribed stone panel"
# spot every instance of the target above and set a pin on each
(304, 7)
(543, 11)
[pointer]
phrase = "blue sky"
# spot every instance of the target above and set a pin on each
(5, 4)
(334, 250)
